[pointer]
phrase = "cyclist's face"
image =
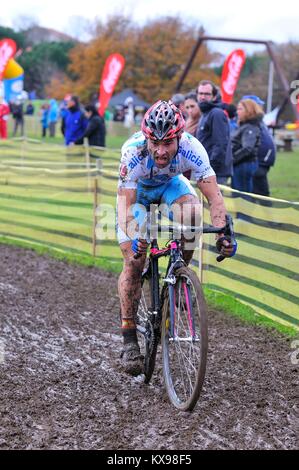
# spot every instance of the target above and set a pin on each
(163, 151)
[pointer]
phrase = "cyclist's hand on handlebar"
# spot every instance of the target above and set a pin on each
(226, 246)
(139, 246)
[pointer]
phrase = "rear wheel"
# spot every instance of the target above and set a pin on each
(184, 339)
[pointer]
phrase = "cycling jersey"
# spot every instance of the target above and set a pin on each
(160, 185)
(138, 166)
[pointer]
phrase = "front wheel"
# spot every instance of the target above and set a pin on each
(184, 339)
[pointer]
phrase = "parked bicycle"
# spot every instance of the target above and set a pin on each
(175, 313)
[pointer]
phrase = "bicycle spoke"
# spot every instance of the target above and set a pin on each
(184, 354)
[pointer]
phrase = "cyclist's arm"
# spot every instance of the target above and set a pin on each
(125, 200)
(209, 188)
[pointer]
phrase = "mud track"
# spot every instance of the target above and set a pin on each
(62, 386)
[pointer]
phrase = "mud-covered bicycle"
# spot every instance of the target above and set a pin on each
(175, 313)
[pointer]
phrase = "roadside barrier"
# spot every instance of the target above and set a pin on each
(48, 198)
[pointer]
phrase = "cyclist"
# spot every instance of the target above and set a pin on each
(151, 168)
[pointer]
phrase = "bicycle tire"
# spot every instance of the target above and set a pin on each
(184, 387)
(150, 338)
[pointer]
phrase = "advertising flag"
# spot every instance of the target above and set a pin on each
(111, 73)
(8, 49)
(231, 73)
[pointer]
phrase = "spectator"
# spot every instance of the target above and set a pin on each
(179, 100)
(4, 112)
(95, 130)
(266, 155)
(53, 117)
(44, 118)
(213, 131)
(74, 122)
(18, 115)
(119, 114)
(245, 144)
(193, 113)
(29, 109)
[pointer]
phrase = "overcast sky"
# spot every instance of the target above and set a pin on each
(256, 19)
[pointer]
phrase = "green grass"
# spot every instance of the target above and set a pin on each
(234, 307)
(284, 176)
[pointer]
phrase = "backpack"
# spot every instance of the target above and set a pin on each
(267, 149)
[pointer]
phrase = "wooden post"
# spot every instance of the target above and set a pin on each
(95, 206)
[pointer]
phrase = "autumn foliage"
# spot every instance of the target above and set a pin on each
(155, 57)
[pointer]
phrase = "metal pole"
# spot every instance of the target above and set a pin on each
(270, 87)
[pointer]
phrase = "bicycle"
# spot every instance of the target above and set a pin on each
(176, 315)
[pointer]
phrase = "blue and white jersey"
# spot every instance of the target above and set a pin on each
(137, 165)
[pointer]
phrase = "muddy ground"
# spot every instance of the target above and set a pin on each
(61, 385)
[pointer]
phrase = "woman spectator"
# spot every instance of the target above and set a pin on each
(245, 144)
(95, 130)
(193, 113)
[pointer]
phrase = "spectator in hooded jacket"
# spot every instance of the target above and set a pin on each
(245, 144)
(213, 130)
(266, 155)
(95, 130)
(74, 122)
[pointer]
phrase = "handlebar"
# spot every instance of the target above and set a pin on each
(227, 230)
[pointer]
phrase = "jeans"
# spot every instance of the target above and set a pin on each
(243, 176)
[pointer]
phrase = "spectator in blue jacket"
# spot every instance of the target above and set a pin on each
(73, 123)
(44, 118)
(53, 117)
(213, 131)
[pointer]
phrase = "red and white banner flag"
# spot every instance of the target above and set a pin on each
(231, 73)
(8, 49)
(113, 68)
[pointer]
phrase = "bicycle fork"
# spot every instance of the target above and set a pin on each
(186, 305)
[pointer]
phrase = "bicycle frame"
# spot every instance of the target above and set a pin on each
(173, 250)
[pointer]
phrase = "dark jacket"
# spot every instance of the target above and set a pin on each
(96, 131)
(246, 141)
(214, 134)
(267, 150)
(73, 125)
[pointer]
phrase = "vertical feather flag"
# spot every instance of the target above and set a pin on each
(113, 68)
(231, 73)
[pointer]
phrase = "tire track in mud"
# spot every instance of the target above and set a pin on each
(62, 386)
